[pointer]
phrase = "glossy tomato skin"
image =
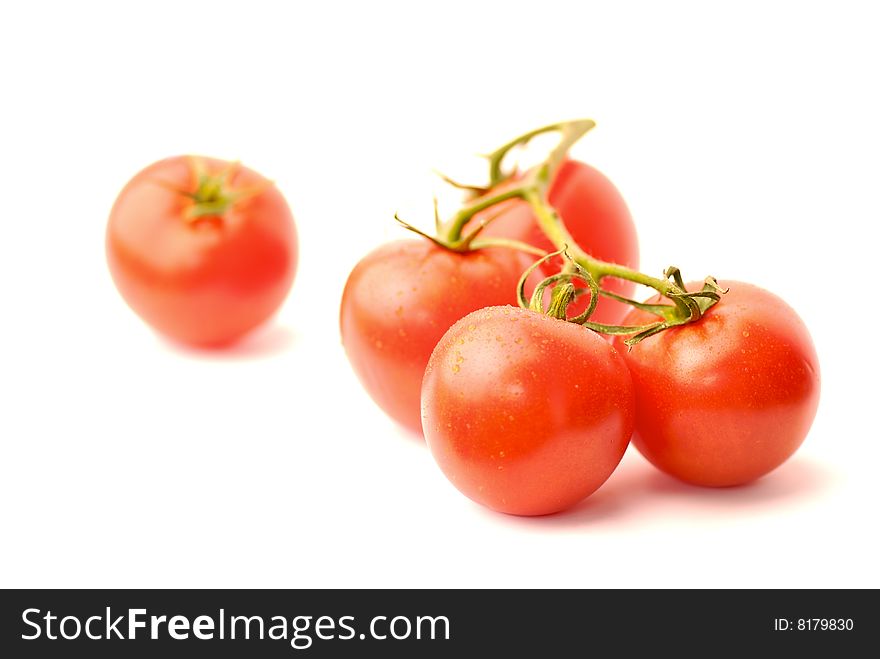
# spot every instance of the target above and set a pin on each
(206, 281)
(597, 217)
(728, 399)
(401, 298)
(524, 413)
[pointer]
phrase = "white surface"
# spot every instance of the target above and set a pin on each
(745, 140)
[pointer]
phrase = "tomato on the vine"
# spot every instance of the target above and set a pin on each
(595, 215)
(729, 398)
(525, 413)
(401, 298)
(203, 250)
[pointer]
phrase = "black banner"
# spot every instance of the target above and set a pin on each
(431, 623)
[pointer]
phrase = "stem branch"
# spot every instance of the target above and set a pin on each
(533, 188)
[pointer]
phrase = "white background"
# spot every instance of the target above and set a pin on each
(744, 137)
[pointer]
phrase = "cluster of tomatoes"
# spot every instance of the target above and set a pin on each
(528, 380)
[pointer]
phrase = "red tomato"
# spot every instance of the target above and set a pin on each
(727, 399)
(596, 217)
(524, 413)
(203, 250)
(401, 298)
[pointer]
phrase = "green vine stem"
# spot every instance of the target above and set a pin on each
(533, 188)
(570, 132)
(687, 306)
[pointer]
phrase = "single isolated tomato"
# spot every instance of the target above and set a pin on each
(595, 215)
(203, 250)
(525, 413)
(725, 400)
(401, 298)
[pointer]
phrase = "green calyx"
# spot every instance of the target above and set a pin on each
(215, 193)
(212, 197)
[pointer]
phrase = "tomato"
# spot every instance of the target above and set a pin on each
(401, 298)
(203, 250)
(729, 398)
(524, 413)
(596, 217)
